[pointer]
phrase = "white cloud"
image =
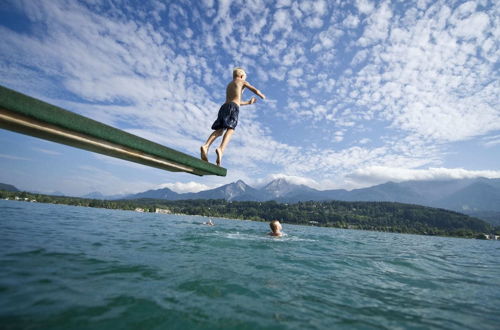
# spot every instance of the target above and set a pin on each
(339, 136)
(351, 22)
(320, 7)
(380, 174)
(208, 3)
(223, 10)
(326, 39)
(47, 151)
(378, 25)
(424, 80)
(11, 157)
(282, 20)
(185, 187)
(491, 141)
(472, 27)
(414, 77)
(314, 22)
(283, 3)
(466, 9)
(365, 6)
(360, 56)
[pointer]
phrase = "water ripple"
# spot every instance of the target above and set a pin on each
(72, 267)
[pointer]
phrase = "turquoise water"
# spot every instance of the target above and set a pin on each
(65, 267)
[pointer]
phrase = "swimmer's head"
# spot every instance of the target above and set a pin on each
(275, 226)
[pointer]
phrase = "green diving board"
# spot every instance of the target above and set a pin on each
(23, 114)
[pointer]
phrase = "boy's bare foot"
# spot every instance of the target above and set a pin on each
(203, 151)
(219, 156)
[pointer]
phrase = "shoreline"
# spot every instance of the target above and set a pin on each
(119, 205)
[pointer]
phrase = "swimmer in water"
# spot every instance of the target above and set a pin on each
(275, 228)
(209, 223)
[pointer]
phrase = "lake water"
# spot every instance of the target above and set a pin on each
(65, 267)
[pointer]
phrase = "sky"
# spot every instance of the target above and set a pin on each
(357, 92)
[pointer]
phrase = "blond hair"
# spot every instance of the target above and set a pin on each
(274, 225)
(238, 72)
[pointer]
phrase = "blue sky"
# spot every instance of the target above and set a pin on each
(358, 92)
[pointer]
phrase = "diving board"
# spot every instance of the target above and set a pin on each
(26, 115)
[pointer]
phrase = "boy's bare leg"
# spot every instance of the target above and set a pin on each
(223, 145)
(204, 148)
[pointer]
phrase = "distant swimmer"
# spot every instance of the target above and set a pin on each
(209, 223)
(275, 228)
(227, 118)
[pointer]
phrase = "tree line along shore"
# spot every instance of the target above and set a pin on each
(376, 216)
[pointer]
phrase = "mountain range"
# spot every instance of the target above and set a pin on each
(479, 197)
(8, 187)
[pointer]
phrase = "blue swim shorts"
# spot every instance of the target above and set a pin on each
(227, 116)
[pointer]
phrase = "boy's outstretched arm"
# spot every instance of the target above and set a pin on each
(254, 90)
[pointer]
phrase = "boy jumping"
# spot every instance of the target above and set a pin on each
(227, 118)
